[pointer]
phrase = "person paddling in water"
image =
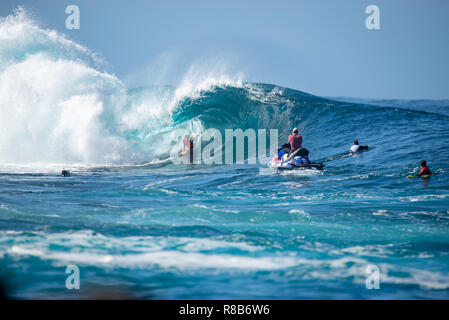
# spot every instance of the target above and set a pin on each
(425, 171)
(356, 147)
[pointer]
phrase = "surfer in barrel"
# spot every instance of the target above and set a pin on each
(187, 147)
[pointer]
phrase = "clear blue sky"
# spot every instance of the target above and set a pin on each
(318, 46)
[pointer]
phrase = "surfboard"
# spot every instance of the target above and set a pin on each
(424, 176)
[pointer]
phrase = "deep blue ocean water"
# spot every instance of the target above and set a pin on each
(139, 226)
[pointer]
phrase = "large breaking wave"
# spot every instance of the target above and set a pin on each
(58, 104)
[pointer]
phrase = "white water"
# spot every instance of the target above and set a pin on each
(59, 106)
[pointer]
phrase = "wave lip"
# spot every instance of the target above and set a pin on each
(59, 106)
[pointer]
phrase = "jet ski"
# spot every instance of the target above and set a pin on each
(297, 163)
(293, 166)
(298, 160)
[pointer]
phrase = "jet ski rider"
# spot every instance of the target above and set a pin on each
(294, 145)
(295, 140)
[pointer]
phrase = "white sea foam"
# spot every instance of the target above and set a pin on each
(381, 213)
(300, 173)
(87, 248)
(52, 99)
(425, 197)
(204, 76)
(300, 213)
(424, 279)
(213, 208)
(58, 105)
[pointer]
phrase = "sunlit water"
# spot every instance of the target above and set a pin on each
(209, 232)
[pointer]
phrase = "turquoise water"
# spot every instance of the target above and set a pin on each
(245, 231)
(134, 222)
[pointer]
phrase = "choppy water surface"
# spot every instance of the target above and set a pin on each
(208, 232)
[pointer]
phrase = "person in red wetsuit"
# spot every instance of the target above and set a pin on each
(424, 169)
(187, 147)
(295, 140)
